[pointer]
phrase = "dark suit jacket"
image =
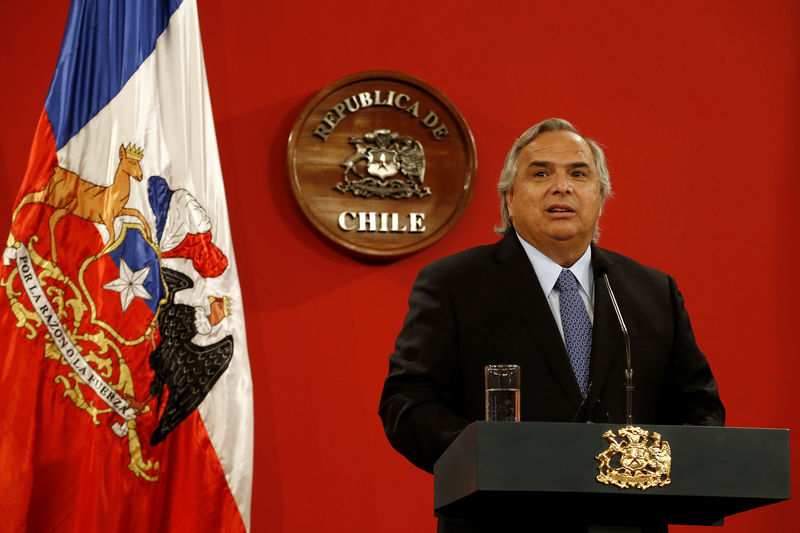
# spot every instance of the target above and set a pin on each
(485, 305)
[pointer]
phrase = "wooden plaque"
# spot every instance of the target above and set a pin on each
(381, 164)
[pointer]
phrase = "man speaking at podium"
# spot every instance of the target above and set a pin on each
(538, 298)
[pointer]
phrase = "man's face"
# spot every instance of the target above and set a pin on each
(555, 202)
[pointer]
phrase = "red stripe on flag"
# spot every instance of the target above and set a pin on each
(41, 159)
(61, 466)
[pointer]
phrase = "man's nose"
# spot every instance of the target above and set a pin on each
(562, 183)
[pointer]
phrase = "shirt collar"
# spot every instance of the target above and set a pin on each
(547, 270)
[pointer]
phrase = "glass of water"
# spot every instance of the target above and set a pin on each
(502, 393)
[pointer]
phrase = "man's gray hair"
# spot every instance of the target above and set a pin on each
(509, 173)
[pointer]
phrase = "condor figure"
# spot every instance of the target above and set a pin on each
(185, 368)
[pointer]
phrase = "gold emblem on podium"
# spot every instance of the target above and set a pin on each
(632, 462)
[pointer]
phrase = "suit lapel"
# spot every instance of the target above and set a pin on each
(518, 279)
(606, 333)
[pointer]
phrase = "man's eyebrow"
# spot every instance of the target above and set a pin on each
(577, 164)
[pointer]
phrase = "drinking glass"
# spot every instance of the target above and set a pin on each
(502, 393)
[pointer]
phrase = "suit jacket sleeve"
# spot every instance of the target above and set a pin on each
(417, 405)
(694, 397)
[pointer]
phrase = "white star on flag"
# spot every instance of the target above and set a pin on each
(129, 284)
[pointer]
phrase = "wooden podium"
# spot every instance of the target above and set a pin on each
(535, 469)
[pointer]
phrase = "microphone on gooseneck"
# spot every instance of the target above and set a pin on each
(628, 367)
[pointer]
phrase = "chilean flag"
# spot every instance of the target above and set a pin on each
(125, 382)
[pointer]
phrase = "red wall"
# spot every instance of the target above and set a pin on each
(697, 104)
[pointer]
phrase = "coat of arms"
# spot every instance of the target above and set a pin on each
(105, 315)
(384, 164)
(632, 462)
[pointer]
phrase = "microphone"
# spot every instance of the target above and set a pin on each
(628, 367)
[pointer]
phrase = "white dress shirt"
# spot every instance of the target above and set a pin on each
(547, 271)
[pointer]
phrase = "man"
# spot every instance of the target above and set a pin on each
(537, 298)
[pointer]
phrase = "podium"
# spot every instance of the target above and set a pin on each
(537, 468)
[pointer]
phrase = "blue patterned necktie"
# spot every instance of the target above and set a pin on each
(576, 325)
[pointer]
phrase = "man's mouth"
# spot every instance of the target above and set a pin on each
(560, 209)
